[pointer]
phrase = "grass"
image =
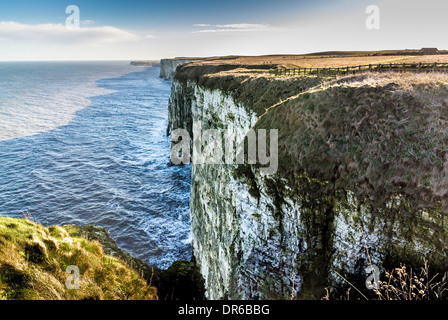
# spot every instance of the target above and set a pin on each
(402, 283)
(34, 259)
(374, 134)
(237, 64)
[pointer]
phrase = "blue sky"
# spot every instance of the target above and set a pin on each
(152, 14)
(137, 29)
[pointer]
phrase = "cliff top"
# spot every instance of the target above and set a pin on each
(321, 59)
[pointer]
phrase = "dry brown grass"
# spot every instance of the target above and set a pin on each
(406, 80)
(324, 61)
(428, 59)
(403, 284)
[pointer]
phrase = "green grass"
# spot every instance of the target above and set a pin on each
(33, 262)
(372, 134)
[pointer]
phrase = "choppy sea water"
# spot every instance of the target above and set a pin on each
(85, 143)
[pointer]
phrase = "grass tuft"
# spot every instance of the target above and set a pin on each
(34, 260)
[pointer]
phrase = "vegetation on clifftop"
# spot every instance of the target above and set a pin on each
(34, 260)
(376, 134)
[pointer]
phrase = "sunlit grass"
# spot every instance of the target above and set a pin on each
(34, 259)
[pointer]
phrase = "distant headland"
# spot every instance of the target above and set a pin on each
(148, 63)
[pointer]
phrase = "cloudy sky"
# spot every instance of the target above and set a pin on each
(138, 29)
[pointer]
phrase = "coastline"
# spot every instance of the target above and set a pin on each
(116, 177)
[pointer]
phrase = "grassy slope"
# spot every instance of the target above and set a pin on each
(376, 134)
(33, 261)
(181, 281)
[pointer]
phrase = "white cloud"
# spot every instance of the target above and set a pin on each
(57, 33)
(87, 22)
(236, 27)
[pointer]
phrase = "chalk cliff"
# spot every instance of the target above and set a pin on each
(168, 67)
(357, 182)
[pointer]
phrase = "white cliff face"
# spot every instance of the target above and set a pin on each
(168, 67)
(236, 237)
(246, 246)
(258, 237)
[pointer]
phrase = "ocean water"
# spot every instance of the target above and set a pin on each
(85, 143)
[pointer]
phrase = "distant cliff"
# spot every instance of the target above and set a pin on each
(148, 63)
(168, 67)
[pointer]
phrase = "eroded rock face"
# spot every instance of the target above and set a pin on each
(168, 67)
(267, 237)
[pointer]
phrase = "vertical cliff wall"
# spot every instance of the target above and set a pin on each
(168, 67)
(278, 236)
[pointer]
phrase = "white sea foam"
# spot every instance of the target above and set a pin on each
(35, 98)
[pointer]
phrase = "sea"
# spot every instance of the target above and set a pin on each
(85, 143)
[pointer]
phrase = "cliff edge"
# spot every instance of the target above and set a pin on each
(168, 67)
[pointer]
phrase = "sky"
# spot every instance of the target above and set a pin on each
(146, 30)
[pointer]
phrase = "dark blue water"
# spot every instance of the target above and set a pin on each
(109, 167)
